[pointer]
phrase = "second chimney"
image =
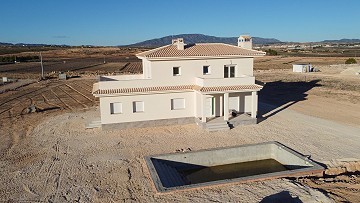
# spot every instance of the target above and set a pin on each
(179, 42)
(245, 41)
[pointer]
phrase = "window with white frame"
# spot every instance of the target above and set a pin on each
(115, 108)
(176, 71)
(138, 106)
(178, 103)
(229, 71)
(206, 70)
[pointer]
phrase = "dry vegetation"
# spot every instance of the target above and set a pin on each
(48, 156)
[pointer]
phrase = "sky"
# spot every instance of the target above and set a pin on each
(121, 22)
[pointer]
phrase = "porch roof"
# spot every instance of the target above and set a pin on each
(228, 88)
(177, 88)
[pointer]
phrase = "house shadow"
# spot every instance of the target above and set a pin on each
(279, 95)
(283, 196)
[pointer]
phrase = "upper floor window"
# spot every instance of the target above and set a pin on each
(176, 71)
(229, 71)
(206, 70)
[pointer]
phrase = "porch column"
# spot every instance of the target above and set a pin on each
(203, 116)
(226, 106)
(253, 104)
(221, 106)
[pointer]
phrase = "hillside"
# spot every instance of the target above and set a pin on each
(200, 38)
(345, 41)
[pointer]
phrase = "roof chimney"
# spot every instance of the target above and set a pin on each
(245, 41)
(179, 42)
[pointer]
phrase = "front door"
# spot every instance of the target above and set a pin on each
(210, 107)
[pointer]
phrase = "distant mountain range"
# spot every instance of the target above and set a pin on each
(191, 39)
(200, 38)
(30, 45)
(342, 41)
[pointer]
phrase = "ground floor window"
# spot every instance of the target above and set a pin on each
(178, 103)
(116, 108)
(138, 106)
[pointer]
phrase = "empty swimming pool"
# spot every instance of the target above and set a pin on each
(226, 165)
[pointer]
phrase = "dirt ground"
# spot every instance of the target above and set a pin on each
(49, 156)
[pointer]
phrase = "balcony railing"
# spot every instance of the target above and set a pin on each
(211, 82)
(114, 82)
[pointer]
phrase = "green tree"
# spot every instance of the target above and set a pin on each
(271, 52)
(350, 61)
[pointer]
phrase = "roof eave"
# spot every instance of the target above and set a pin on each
(202, 57)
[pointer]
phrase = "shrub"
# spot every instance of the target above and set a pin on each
(11, 59)
(271, 52)
(350, 61)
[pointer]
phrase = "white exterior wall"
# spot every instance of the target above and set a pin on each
(146, 68)
(244, 106)
(162, 71)
(198, 105)
(156, 106)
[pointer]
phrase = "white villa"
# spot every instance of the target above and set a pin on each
(211, 84)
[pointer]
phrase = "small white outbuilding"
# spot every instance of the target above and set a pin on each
(302, 68)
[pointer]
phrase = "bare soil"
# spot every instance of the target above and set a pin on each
(75, 62)
(49, 156)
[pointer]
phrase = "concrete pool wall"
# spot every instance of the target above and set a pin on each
(166, 170)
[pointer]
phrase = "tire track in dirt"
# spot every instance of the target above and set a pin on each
(46, 100)
(86, 97)
(82, 87)
(50, 171)
(27, 96)
(22, 95)
(57, 96)
(90, 86)
(14, 136)
(84, 105)
(129, 186)
(58, 182)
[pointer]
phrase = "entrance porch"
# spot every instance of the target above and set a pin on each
(227, 106)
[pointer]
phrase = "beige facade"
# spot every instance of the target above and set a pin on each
(212, 80)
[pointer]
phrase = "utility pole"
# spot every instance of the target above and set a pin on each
(42, 67)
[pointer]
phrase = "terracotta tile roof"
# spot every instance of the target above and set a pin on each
(245, 36)
(177, 88)
(143, 89)
(227, 88)
(200, 50)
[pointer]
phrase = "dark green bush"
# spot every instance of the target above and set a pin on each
(11, 59)
(271, 52)
(350, 61)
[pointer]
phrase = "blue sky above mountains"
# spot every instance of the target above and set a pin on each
(114, 22)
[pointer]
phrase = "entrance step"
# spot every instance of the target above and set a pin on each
(93, 124)
(217, 126)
